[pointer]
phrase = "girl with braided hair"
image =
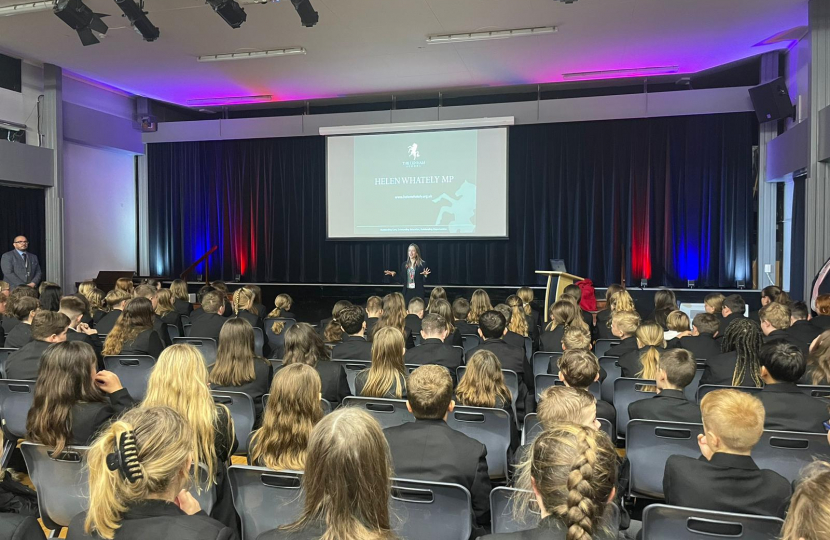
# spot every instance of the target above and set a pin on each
(738, 365)
(570, 475)
(243, 307)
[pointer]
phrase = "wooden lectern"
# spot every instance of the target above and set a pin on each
(557, 281)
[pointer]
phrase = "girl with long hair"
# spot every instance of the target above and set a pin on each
(442, 307)
(438, 293)
(622, 301)
(664, 303)
(518, 321)
(50, 298)
(181, 298)
(97, 305)
(332, 330)
(133, 332)
(570, 475)
(386, 378)
(115, 300)
(243, 306)
(139, 470)
(483, 386)
(604, 315)
(72, 399)
(563, 314)
(166, 310)
(126, 285)
(394, 315)
(412, 274)
(479, 303)
(86, 287)
(292, 412)
(346, 483)
(237, 367)
(258, 308)
(738, 365)
(303, 345)
(818, 361)
(808, 517)
(642, 363)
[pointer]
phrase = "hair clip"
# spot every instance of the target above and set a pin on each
(125, 458)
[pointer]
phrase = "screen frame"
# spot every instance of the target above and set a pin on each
(426, 238)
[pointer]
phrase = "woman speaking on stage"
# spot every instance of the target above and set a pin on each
(412, 274)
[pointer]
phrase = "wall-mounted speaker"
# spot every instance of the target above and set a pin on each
(772, 101)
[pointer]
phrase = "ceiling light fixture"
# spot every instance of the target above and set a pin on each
(238, 100)
(495, 34)
(83, 20)
(28, 7)
(614, 73)
(308, 16)
(230, 11)
(251, 55)
(138, 19)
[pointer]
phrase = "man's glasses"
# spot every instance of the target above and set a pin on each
(22, 242)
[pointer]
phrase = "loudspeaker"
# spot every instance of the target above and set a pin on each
(772, 101)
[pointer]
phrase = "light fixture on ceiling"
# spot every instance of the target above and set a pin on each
(628, 72)
(495, 34)
(250, 55)
(236, 100)
(230, 11)
(28, 7)
(83, 20)
(138, 19)
(308, 16)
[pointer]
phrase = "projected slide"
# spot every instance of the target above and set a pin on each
(418, 184)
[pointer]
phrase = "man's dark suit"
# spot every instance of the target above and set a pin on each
(435, 351)
(431, 450)
(726, 483)
(803, 331)
(9, 323)
(667, 406)
(788, 409)
(208, 326)
(16, 272)
(23, 363)
(626, 346)
(702, 346)
(720, 369)
(352, 348)
(107, 322)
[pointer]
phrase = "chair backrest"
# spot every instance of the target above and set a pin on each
(185, 328)
(4, 354)
(809, 389)
(276, 363)
(133, 371)
(679, 523)
(172, 331)
(259, 340)
(269, 332)
(241, 407)
(545, 381)
(602, 345)
(265, 499)
(388, 412)
(627, 391)
(541, 361)
(352, 367)
(532, 428)
(186, 319)
(490, 427)
(470, 342)
(502, 520)
(207, 346)
(706, 388)
(511, 381)
(324, 404)
(16, 399)
(424, 510)
(528, 348)
(613, 371)
(648, 445)
(61, 482)
(691, 391)
(787, 452)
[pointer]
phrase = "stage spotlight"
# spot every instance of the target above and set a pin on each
(308, 16)
(83, 20)
(690, 283)
(230, 11)
(138, 19)
(643, 283)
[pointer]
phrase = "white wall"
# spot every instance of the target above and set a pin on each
(100, 212)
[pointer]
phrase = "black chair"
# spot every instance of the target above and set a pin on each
(602, 345)
(490, 427)
(265, 499)
(4, 355)
(626, 392)
(691, 390)
(276, 363)
(259, 340)
(206, 346)
(133, 371)
(186, 329)
(594, 389)
(16, 398)
(172, 331)
(241, 407)
(388, 412)
(661, 521)
(787, 452)
(511, 381)
(186, 319)
(541, 361)
(502, 518)
(613, 372)
(648, 445)
(352, 367)
(811, 390)
(528, 348)
(470, 342)
(532, 428)
(706, 388)
(424, 510)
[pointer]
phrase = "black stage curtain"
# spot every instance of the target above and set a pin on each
(668, 199)
(24, 213)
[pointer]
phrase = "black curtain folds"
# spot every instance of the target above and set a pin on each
(667, 198)
(24, 213)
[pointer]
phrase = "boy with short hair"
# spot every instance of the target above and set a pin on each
(374, 309)
(47, 327)
(725, 478)
(579, 368)
(414, 314)
(354, 345)
(624, 325)
(460, 311)
(801, 329)
(433, 350)
(702, 342)
(675, 371)
(733, 308)
(209, 324)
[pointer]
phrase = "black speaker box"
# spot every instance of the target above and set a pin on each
(772, 101)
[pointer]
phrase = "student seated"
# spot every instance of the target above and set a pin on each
(738, 364)
(150, 293)
(534, 317)
(677, 324)
(675, 371)
(433, 348)
(624, 326)
(822, 320)
(346, 484)
(483, 386)
(331, 330)
(258, 308)
(563, 314)
(394, 315)
(443, 308)
(166, 311)
(200, 297)
(733, 308)
(642, 363)
(209, 323)
(787, 407)
(139, 469)
(702, 343)
(24, 311)
(243, 307)
(664, 303)
(292, 412)
(801, 329)
(48, 327)
(10, 320)
(73, 308)
(386, 377)
(713, 304)
(181, 298)
(374, 309)
(818, 361)
(579, 368)
(428, 449)
(304, 345)
(520, 323)
(775, 324)
(414, 314)
(460, 312)
(808, 517)
(479, 304)
(282, 308)
(571, 475)
(134, 333)
(354, 345)
(72, 398)
(97, 306)
(222, 288)
(125, 284)
(510, 337)
(603, 325)
(276, 336)
(116, 299)
(725, 478)
(237, 367)
(588, 318)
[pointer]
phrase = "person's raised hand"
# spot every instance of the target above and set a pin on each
(188, 504)
(389, 273)
(426, 272)
(108, 381)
